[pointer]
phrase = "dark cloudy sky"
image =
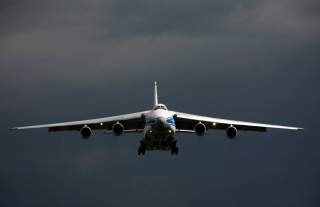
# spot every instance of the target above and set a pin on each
(78, 59)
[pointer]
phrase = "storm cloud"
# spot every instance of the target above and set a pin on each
(246, 60)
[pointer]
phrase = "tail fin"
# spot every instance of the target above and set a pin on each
(155, 102)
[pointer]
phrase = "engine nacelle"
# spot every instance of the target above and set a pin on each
(200, 129)
(231, 132)
(117, 129)
(85, 132)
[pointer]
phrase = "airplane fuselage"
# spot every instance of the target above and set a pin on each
(159, 131)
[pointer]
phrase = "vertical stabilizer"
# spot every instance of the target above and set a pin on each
(155, 102)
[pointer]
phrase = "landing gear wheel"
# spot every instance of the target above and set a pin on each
(174, 148)
(175, 151)
(142, 148)
(141, 151)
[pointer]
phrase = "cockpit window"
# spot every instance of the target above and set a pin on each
(160, 106)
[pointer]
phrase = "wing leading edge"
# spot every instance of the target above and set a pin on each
(133, 121)
(186, 121)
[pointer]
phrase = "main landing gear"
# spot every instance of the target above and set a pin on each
(142, 148)
(174, 148)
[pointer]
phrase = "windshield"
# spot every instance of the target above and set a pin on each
(160, 106)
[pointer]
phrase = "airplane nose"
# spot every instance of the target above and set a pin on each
(161, 122)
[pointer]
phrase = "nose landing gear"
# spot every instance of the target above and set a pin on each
(164, 146)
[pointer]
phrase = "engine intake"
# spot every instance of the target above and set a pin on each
(85, 132)
(200, 129)
(117, 129)
(232, 132)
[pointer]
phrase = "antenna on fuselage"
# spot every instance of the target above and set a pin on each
(155, 101)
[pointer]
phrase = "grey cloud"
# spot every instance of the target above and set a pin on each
(289, 18)
(153, 18)
(69, 60)
(191, 18)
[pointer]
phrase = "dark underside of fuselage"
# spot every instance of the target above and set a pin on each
(159, 135)
(159, 141)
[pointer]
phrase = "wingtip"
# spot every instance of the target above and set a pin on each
(300, 129)
(13, 128)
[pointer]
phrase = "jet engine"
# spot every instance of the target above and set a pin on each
(117, 129)
(200, 129)
(231, 132)
(85, 132)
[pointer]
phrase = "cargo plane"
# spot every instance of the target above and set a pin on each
(158, 125)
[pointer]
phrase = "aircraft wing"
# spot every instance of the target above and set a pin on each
(131, 122)
(186, 122)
